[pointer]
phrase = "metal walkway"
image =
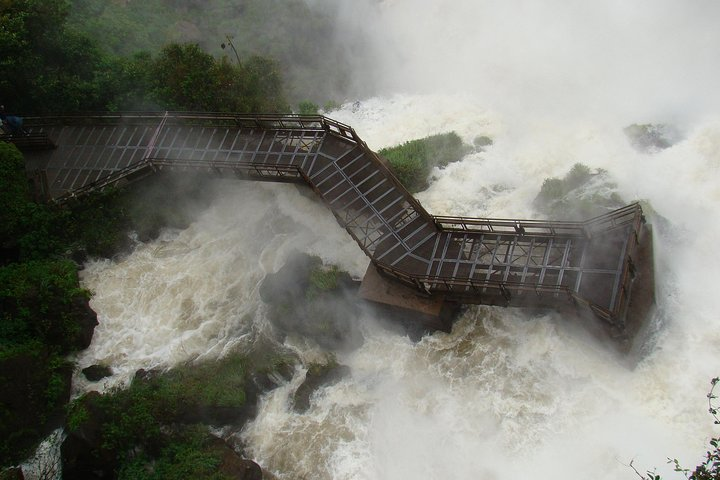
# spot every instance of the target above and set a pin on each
(469, 260)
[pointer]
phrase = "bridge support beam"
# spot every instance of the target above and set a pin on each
(417, 312)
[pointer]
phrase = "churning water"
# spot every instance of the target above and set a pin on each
(506, 395)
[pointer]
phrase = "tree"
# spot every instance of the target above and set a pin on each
(46, 66)
(709, 469)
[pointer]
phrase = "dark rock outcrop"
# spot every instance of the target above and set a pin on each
(651, 137)
(315, 301)
(87, 321)
(317, 376)
(95, 373)
(233, 465)
(13, 473)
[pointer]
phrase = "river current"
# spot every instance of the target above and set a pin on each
(507, 394)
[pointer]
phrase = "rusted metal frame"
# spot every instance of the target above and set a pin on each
(257, 150)
(432, 255)
(527, 260)
(269, 151)
(232, 150)
(406, 239)
(491, 265)
(508, 226)
(581, 270)
(413, 248)
(349, 182)
(460, 252)
(561, 273)
(315, 154)
(390, 229)
(76, 145)
(207, 148)
(333, 162)
(342, 169)
(153, 140)
(477, 255)
(441, 259)
(546, 258)
(113, 148)
(110, 179)
(188, 144)
(614, 219)
(509, 254)
(100, 170)
(619, 270)
(220, 145)
(304, 145)
(125, 148)
(335, 171)
(282, 137)
(367, 218)
(348, 190)
(366, 229)
(171, 147)
(82, 167)
(359, 214)
(312, 164)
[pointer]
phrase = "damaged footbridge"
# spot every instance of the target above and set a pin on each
(418, 260)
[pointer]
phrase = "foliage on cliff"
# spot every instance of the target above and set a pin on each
(43, 314)
(157, 428)
(303, 37)
(49, 66)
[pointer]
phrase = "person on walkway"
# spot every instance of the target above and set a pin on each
(11, 124)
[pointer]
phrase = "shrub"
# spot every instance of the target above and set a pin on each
(412, 161)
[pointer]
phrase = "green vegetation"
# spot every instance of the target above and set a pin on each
(308, 108)
(580, 195)
(188, 454)
(157, 428)
(300, 36)
(709, 467)
(43, 313)
(50, 65)
(323, 279)
(412, 161)
(306, 298)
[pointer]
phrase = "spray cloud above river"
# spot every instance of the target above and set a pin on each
(651, 60)
(507, 394)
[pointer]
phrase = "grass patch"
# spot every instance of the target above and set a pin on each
(412, 161)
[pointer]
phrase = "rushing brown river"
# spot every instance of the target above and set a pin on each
(508, 394)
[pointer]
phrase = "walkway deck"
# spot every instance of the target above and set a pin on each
(469, 260)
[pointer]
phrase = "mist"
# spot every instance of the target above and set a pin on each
(508, 393)
(638, 61)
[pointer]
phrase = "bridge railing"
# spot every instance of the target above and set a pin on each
(602, 223)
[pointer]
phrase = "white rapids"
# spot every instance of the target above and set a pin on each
(506, 395)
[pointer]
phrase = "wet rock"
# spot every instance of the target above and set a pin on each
(481, 142)
(87, 321)
(233, 465)
(651, 137)
(96, 373)
(315, 301)
(317, 376)
(13, 473)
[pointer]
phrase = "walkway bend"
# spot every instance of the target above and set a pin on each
(587, 264)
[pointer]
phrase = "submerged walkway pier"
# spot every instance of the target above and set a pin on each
(580, 266)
